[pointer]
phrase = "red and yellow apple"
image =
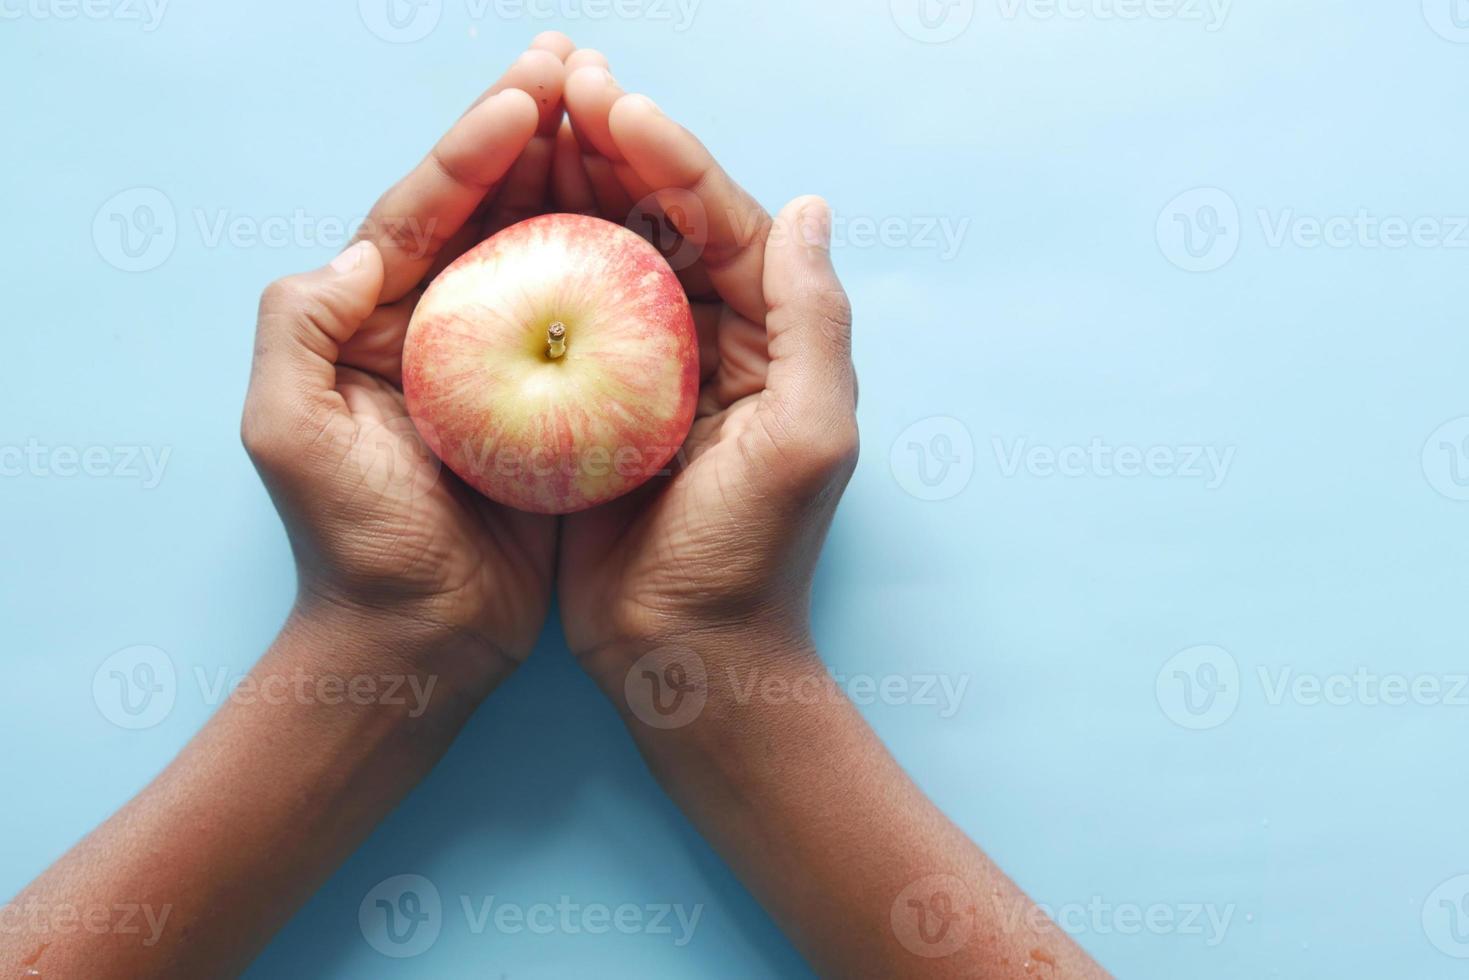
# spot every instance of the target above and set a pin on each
(554, 366)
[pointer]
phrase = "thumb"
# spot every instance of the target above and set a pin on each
(809, 319)
(305, 318)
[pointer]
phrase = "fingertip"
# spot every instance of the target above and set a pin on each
(555, 42)
(540, 58)
(634, 105)
(590, 92)
(586, 57)
(664, 153)
(588, 80)
(359, 258)
(807, 201)
(806, 221)
(517, 106)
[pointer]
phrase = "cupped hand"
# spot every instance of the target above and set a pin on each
(376, 524)
(729, 541)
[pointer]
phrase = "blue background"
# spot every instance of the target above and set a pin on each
(1333, 543)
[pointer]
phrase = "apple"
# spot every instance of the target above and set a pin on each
(554, 366)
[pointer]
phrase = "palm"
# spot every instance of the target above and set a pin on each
(494, 564)
(628, 564)
(440, 539)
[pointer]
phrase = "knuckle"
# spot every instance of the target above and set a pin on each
(254, 436)
(292, 300)
(282, 296)
(834, 304)
(266, 442)
(836, 450)
(834, 314)
(417, 240)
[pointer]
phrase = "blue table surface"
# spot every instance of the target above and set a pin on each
(1161, 333)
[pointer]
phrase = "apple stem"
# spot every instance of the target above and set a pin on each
(556, 339)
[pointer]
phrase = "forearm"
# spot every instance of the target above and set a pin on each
(789, 783)
(332, 727)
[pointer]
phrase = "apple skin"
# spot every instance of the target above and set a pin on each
(553, 435)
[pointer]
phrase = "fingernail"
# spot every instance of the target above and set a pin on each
(816, 225)
(351, 258)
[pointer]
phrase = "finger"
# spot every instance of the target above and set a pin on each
(622, 194)
(526, 73)
(523, 193)
(591, 92)
(538, 73)
(706, 328)
(584, 57)
(571, 188)
(412, 222)
(724, 223)
(809, 323)
(377, 346)
(555, 42)
(304, 321)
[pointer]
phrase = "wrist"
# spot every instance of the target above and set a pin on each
(339, 636)
(607, 658)
(711, 679)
